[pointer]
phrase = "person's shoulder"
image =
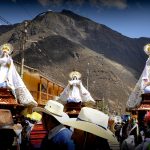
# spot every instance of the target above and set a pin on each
(139, 147)
(64, 134)
(146, 144)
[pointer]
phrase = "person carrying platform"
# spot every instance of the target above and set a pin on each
(58, 136)
(91, 130)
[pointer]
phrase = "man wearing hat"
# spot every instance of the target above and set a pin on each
(8, 130)
(91, 130)
(53, 118)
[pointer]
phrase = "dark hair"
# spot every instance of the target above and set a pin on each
(147, 133)
(51, 118)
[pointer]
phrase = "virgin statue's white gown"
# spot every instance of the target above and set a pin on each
(146, 76)
(10, 78)
(75, 92)
(4, 68)
(140, 87)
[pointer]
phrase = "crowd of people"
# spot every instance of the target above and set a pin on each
(88, 131)
(133, 136)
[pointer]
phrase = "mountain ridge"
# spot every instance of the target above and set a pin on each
(67, 41)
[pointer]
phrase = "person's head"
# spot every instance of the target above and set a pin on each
(52, 114)
(86, 141)
(49, 122)
(94, 123)
(147, 133)
(6, 119)
(7, 122)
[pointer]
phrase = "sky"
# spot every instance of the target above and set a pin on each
(128, 17)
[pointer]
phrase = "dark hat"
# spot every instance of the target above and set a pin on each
(6, 120)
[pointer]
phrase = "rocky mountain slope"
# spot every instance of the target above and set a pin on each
(58, 42)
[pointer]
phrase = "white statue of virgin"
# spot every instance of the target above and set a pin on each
(75, 91)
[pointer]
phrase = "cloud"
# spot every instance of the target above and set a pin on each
(50, 2)
(44, 2)
(120, 4)
(75, 2)
(14, 1)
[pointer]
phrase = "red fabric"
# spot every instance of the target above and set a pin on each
(37, 135)
(147, 116)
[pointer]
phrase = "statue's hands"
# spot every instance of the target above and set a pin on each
(147, 83)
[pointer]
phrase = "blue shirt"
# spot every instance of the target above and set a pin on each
(61, 140)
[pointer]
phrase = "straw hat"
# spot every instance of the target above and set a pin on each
(147, 49)
(6, 120)
(75, 74)
(54, 109)
(7, 48)
(92, 121)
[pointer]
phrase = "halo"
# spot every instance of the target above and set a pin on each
(75, 74)
(147, 49)
(6, 47)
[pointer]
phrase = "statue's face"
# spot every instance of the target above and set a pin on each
(74, 78)
(147, 49)
(5, 50)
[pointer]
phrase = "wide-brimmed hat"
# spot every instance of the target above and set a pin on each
(75, 74)
(92, 121)
(54, 109)
(147, 49)
(6, 47)
(6, 121)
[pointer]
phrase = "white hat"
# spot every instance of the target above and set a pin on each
(54, 109)
(6, 47)
(147, 49)
(92, 121)
(75, 74)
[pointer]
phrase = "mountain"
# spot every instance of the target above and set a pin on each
(58, 42)
(6, 28)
